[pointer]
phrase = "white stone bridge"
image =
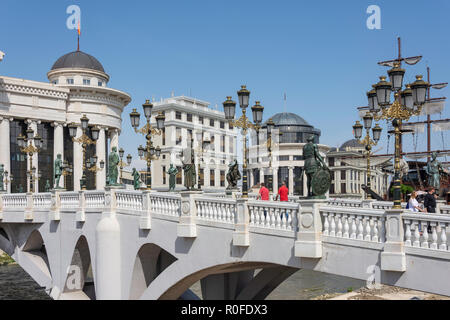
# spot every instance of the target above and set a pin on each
(119, 244)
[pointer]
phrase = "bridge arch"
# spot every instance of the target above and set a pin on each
(233, 280)
(151, 260)
(79, 283)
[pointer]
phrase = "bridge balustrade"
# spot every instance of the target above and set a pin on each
(165, 204)
(130, 200)
(216, 209)
(417, 227)
(13, 201)
(42, 200)
(69, 200)
(273, 215)
(94, 199)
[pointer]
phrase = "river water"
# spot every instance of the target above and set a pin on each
(16, 284)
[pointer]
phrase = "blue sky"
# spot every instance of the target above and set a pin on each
(319, 52)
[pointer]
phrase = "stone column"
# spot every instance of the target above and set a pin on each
(261, 174)
(252, 179)
(5, 149)
(393, 257)
(305, 184)
(58, 148)
(114, 136)
(33, 125)
(77, 161)
(275, 180)
(206, 174)
(101, 154)
(291, 180)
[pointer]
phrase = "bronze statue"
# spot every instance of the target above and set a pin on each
(233, 175)
(172, 177)
(57, 170)
(189, 171)
(434, 170)
(113, 172)
(47, 186)
(2, 172)
(317, 173)
(136, 179)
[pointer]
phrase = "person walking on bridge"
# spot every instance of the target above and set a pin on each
(263, 192)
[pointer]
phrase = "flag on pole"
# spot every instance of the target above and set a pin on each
(79, 29)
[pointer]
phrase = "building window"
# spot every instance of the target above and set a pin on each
(222, 143)
(231, 144)
(163, 136)
(200, 120)
(189, 117)
(212, 144)
(189, 136)
(87, 82)
(45, 159)
(18, 159)
(283, 176)
(201, 177)
(100, 83)
(343, 190)
(298, 158)
(222, 178)
(178, 140)
(164, 174)
(255, 176)
(230, 126)
(283, 158)
(343, 175)
(212, 181)
(55, 82)
(69, 81)
(211, 122)
(180, 172)
(178, 115)
(332, 189)
(331, 162)
(298, 181)
(164, 157)
(222, 125)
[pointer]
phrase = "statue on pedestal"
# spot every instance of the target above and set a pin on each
(47, 186)
(317, 173)
(172, 177)
(113, 172)
(434, 170)
(2, 173)
(136, 179)
(233, 175)
(57, 170)
(189, 171)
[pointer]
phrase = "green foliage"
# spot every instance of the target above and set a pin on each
(405, 189)
(5, 260)
(350, 289)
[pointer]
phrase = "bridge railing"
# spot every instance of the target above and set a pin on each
(273, 215)
(94, 199)
(345, 203)
(215, 209)
(445, 209)
(13, 201)
(427, 231)
(351, 223)
(69, 200)
(42, 200)
(165, 203)
(130, 200)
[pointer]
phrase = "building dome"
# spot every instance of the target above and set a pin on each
(353, 143)
(288, 118)
(78, 59)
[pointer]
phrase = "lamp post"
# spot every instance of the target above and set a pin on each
(367, 141)
(148, 153)
(270, 126)
(202, 144)
(67, 170)
(123, 164)
(85, 141)
(407, 103)
(92, 167)
(245, 124)
(6, 181)
(26, 146)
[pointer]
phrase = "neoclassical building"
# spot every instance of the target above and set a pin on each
(289, 135)
(77, 86)
(189, 119)
(350, 171)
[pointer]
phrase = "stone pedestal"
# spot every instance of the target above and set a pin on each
(309, 235)
(241, 236)
(187, 227)
(118, 187)
(367, 203)
(393, 257)
(55, 213)
(80, 216)
(28, 213)
(232, 193)
(145, 221)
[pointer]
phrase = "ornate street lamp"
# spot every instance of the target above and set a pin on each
(148, 153)
(85, 141)
(407, 103)
(26, 146)
(92, 167)
(67, 170)
(123, 164)
(245, 124)
(367, 141)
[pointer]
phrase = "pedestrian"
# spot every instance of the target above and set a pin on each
(413, 204)
(263, 193)
(282, 192)
(429, 202)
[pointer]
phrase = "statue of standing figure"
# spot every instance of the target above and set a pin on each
(136, 179)
(189, 171)
(57, 170)
(172, 177)
(233, 175)
(113, 172)
(317, 173)
(434, 170)
(47, 186)
(2, 173)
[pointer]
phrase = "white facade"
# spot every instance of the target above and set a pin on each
(185, 116)
(347, 178)
(61, 102)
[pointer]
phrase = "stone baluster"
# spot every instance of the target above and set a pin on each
(416, 242)
(353, 234)
(339, 225)
(346, 226)
(333, 224)
(425, 235)
(360, 235)
(253, 216)
(368, 230)
(289, 219)
(434, 236)
(375, 229)
(326, 225)
(443, 245)
(408, 233)
(278, 214)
